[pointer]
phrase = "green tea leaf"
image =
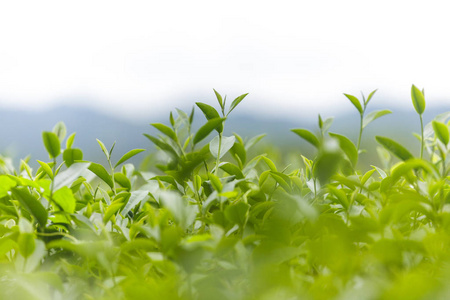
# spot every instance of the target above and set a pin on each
(26, 244)
(46, 168)
(253, 141)
(128, 155)
(232, 170)
(394, 147)
(307, 136)
(269, 163)
(374, 115)
(328, 161)
(209, 111)
(6, 184)
(236, 102)
(370, 96)
(162, 145)
(31, 204)
(355, 102)
(69, 141)
(65, 199)
(219, 98)
(441, 131)
(165, 130)
(238, 150)
(123, 180)
(340, 195)
(70, 155)
(67, 177)
(111, 210)
(215, 182)
(105, 151)
(135, 198)
(51, 143)
(237, 213)
(206, 129)
(347, 146)
(225, 146)
(191, 115)
(60, 130)
(418, 99)
(101, 172)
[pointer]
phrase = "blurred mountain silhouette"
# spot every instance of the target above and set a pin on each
(21, 131)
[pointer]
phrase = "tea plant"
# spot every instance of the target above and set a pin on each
(210, 220)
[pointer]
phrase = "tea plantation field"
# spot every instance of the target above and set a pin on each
(210, 216)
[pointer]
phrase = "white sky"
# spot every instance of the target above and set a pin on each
(138, 57)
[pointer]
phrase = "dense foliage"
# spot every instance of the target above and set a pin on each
(214, 220)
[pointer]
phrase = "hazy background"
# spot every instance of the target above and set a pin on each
(108, 68)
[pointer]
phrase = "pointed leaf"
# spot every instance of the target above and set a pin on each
(394, 147)
(210, 113)
(71, 155)
(123, 180)
(51, 143)
(128, 155)
(375, 115)
(206, 129)
(31, 204)
(101, 172)
(308, 136)
(253, 141)
(219, 98)
(347, 146)
(237, 213)
(67, 177)
(441, 131)
(69, 141)
(418, 100)
(191, 115)
(236, 102)
(162, 145)
(355, 102)
(135, 198)
(165, 130)
(46, 168)
(232, 170)
(105, 151)
(60, 130)
(65, 199)
(225, 146)
(370, 96)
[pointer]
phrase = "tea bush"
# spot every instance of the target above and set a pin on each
(211, 220)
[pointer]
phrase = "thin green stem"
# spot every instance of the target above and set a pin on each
(216, 171)
(360, 132)
(421, 140)
(112, 177)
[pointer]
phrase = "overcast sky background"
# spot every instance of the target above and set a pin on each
(294, 58)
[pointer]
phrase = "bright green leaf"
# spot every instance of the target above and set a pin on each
(307, 136)
(418, 99)
(31, 204)
(51, 143)
(206, 129)
(101, 172)
(355, 102)
(128, 155)
(394, 147)
(65, 200)
(374, 115)
(441, 131)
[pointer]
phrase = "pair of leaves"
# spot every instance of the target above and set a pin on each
(357, 104)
